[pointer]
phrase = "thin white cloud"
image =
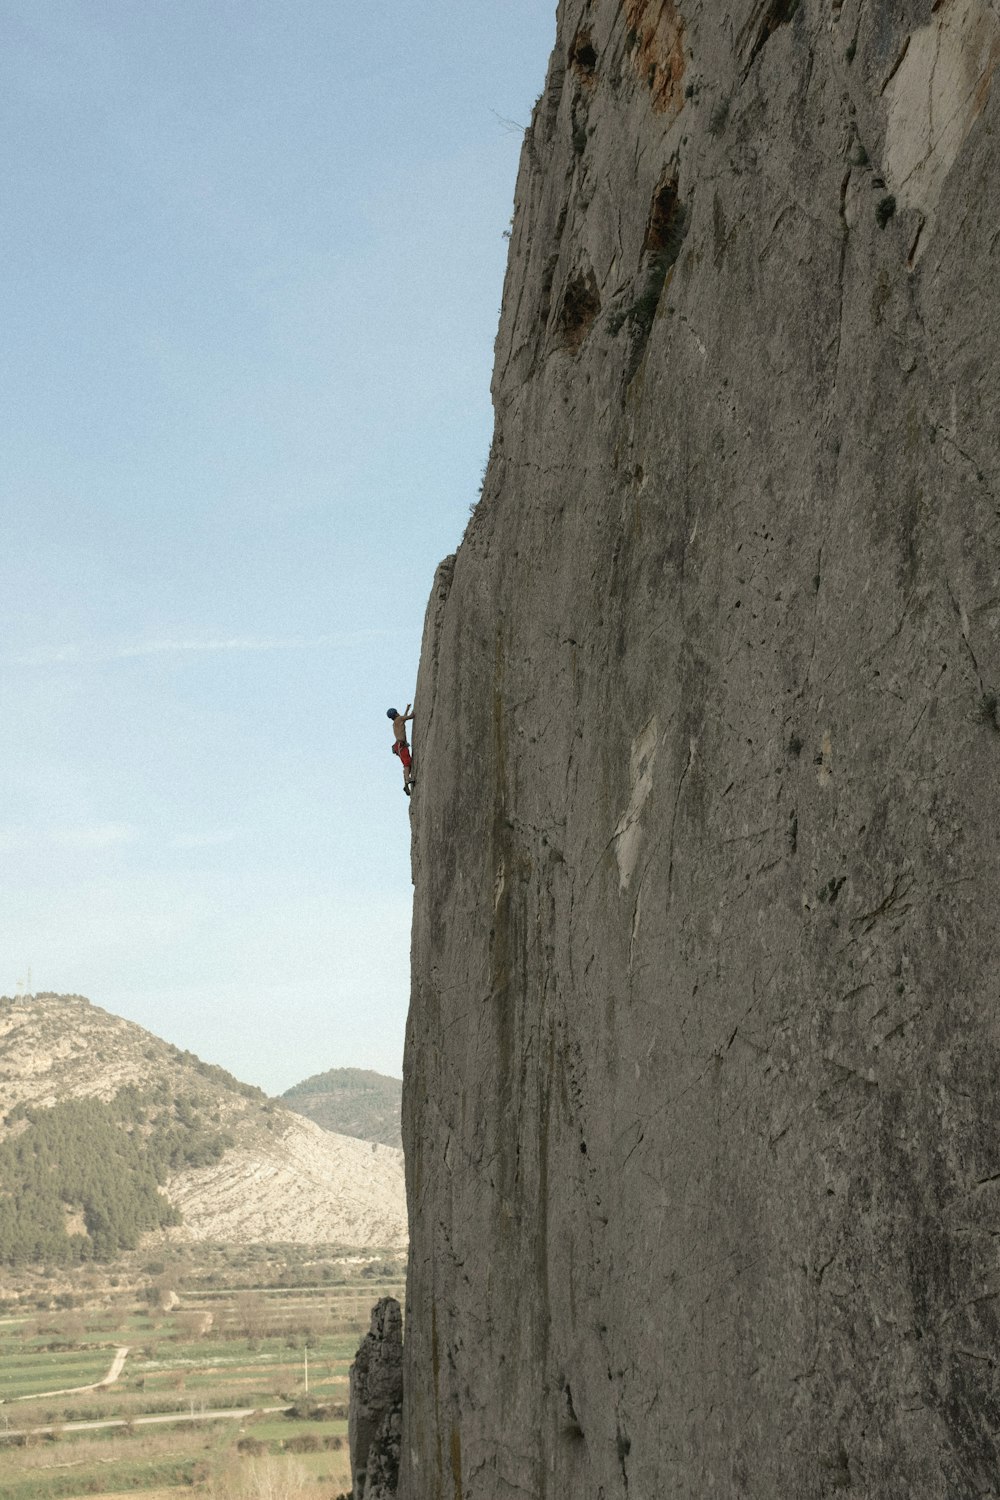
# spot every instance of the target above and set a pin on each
(89, 653)
(207, 840)
(82, 836)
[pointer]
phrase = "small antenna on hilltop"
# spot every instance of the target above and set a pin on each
(24, 991)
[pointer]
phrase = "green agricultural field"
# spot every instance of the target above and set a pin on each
(203, 1391)
(25, 1374)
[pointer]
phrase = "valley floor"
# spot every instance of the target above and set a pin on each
(232, 1383)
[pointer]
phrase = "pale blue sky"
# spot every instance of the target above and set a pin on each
(253, 254)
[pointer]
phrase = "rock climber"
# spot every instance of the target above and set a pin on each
(400, 744)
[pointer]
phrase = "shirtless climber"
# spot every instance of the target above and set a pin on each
(400, 745)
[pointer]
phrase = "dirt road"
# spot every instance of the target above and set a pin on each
(117, 1365)
(157, 1418)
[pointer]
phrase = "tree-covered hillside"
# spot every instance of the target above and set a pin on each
(108, 1132)
(80, 1180)
(351, 1101)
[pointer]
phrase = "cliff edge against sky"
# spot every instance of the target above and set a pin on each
(703, 1052)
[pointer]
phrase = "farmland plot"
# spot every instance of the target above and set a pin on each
(223, 1381)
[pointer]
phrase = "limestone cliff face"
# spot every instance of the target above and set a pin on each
(704, 1047)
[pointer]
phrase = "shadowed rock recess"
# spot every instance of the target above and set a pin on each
(703, 1055)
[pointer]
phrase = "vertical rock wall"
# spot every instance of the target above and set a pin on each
(703, 1057)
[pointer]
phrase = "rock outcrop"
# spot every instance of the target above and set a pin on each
(375, 1423)
(703, 1058)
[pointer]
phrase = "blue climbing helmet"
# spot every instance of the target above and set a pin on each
(392, 713)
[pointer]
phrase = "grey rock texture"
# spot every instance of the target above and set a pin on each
(376, 1399)
(703, 1057)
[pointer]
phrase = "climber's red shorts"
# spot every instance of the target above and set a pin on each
(402, 749)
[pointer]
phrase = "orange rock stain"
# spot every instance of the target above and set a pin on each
(659, 51)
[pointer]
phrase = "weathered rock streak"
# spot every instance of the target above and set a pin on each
(704, 1045)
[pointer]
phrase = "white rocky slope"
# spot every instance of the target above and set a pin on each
(58, 1047)
(310, 1186)
(284, 1179)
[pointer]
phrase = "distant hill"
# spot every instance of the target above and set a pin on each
(109, 1136)
(351, 1101)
